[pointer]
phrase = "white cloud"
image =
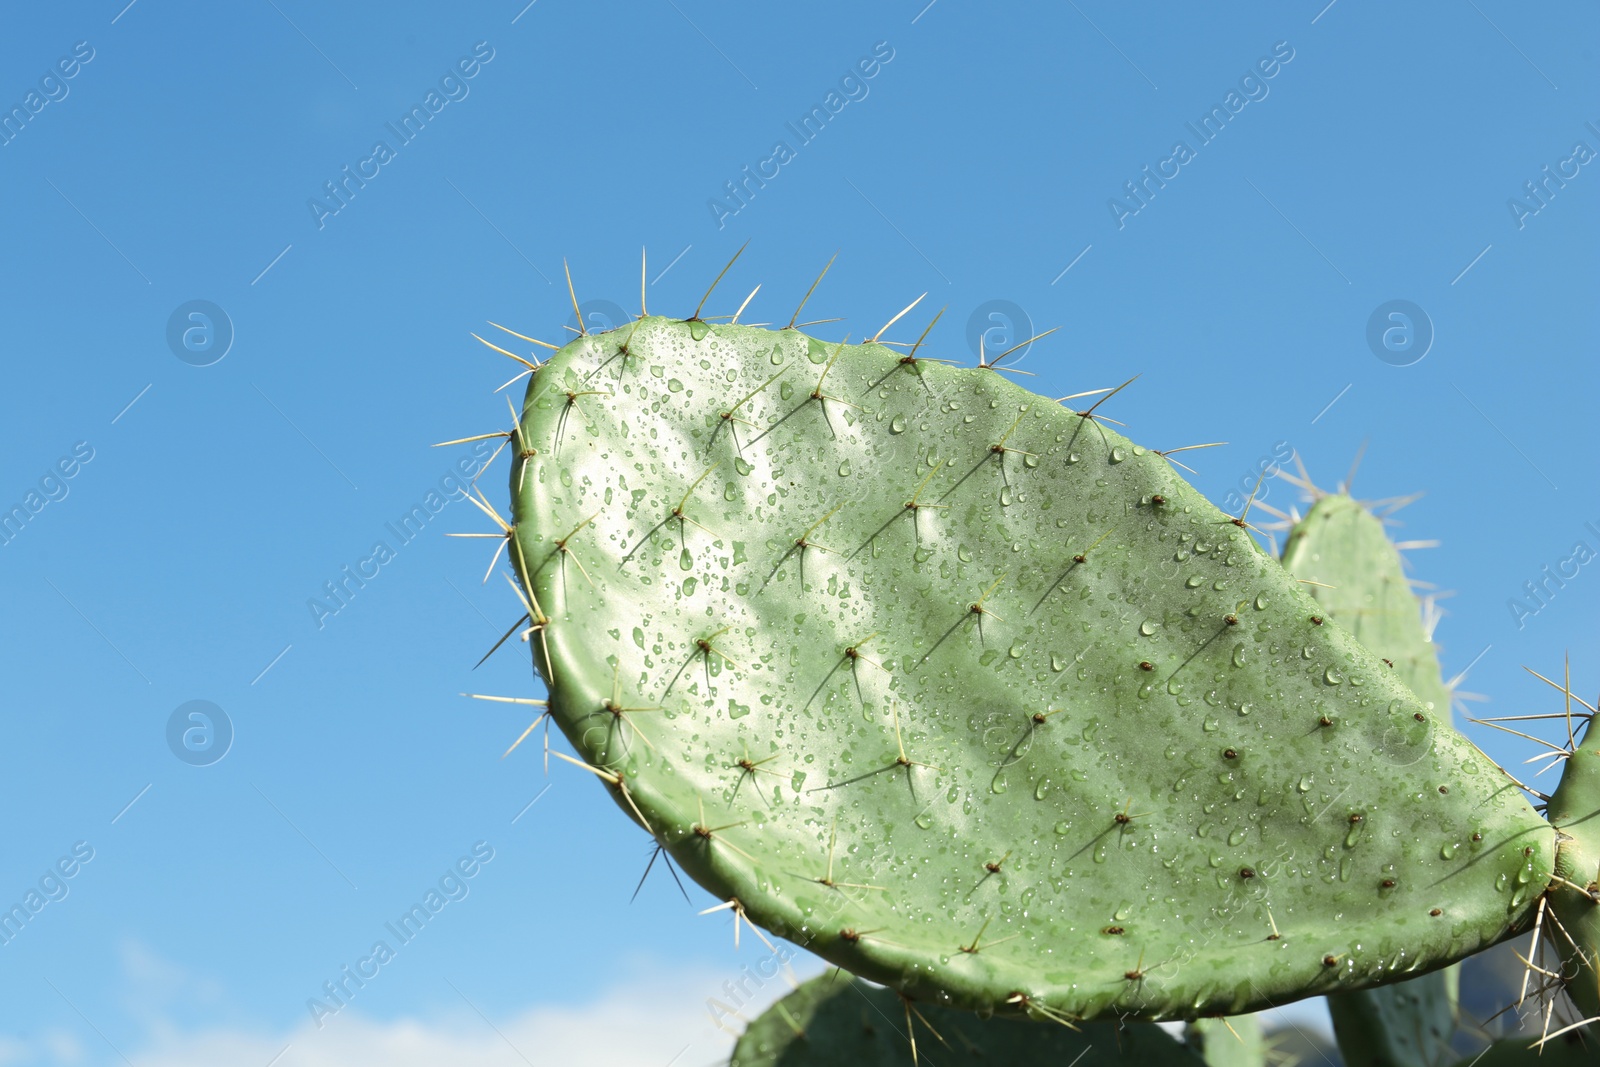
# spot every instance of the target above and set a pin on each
(644, 1022)
(655, 1017)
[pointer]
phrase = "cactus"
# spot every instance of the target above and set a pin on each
(834, 1019)
(1568, 1050)
(1236, 1042)
(970, 695)
(1342, 552)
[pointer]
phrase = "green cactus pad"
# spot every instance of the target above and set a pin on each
(1341, 550)
(972, 696)
(1575, 901)
(1568, 1050)
(1360, 580)
(1235, 1042)
(835, 1019)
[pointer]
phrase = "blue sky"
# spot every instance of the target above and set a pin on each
(984, 160)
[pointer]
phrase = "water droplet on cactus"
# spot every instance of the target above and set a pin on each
(844, 469)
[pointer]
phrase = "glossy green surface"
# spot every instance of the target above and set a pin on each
(1361, 583)
(835, 1020)
(934, 745)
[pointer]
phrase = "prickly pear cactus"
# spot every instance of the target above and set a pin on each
(967, 693)
(835, 1019)
(1342, 553)
(1567, 1050)
(1575, 899)
(1355, 572)
(1235, 1042)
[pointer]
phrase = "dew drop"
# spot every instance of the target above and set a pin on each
(1239, 656)
(1005, 496)
(964, 554)
(1063, 828)
(686, 559)
(897, 424)
(1118, 455)
(1193, 581)
(1448, 851)
(743, 467)
(924, 820)
(699, 329)
(1332, 676)
(1148, 628)
(1261, 601)
(1041, 790)
(1304, 784)
(1237, 835)
(844, 469)
(1058, 663)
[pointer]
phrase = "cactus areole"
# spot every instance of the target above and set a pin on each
(965, 692)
